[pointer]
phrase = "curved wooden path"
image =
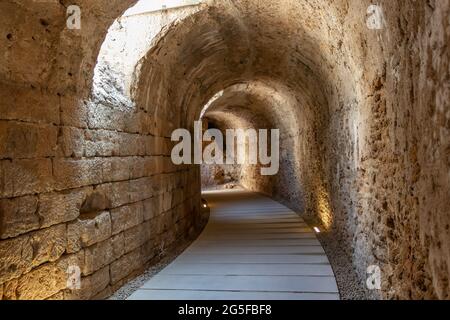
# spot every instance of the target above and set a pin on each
(253, 248)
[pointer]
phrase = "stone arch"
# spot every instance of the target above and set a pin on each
(373, 113)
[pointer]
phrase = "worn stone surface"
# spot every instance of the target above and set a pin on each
(55, 208)
(136, 237)
(361, 105)
(98, 256)
(90, 286)
(38, 285)
(19, 255)
(88, 230)
(363, 115)
(127, 217)
(122, 267)
(18, 216)
(23, 140)
(25, 177)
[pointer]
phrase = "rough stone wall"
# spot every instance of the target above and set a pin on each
(86, 183)
(257, 105)
(355, 100)
(385, 165)
(364, 119)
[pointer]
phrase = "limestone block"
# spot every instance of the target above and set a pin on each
(47, 244)
(26, 60)
(15, 258)
(177, 196)
(19, 255)
(148, 251)
(167, 146)
(99, 281)
(150, 166)
(140, 140)
(127, 217)
(160, 223)
(77, 173)
(28, 104)
(105, 117)
(73, 112)
(72, 260)
(140, 189)
(148, 230)
(125, 265)
(157, 184)
(116, 169)
(25, 140)
(96, 229)
(168, 220)
(129, 144)
(23, 177)
(118, 245)
(134, 237)
(90, 285)
(177, 213)
(102, 143)
(117, 193)
(104, 294)
(55, 208)
(137, 167)
(168, 238)
(1, 291)
(38, 285)
(74, 237)
(152, 207)
(88, 231)
(167, 201)
(173, 181)
(71, 142)
(98, 256)
(18, 216)
(168, 166)
(151, 146)
(159, 164)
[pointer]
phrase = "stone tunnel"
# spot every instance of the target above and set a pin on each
(91, 92)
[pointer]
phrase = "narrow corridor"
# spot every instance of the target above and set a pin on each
(115, 115)
(253, 248)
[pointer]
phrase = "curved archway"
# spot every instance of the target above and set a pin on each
(363, 110)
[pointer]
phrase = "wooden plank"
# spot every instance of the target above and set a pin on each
(252, 249)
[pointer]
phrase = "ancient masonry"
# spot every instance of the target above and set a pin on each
(86, 116)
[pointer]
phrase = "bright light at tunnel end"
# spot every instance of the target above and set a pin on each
(147, 6)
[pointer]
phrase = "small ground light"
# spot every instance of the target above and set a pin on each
(204, 204)
(316, 229)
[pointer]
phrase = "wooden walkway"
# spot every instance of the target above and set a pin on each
(253, 248)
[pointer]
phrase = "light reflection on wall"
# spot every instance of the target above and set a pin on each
(324, 207)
